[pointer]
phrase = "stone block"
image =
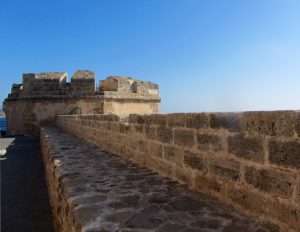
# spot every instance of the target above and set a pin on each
(194, 161)
(176, 120)
(297, 123)
(150, 132)
(108, 125)
(84, 75)
(151, 162)
(209, 185)
(285, 212)
(138, 128)
(229, 121)
(184, 137)
(183, 175)
(83, 82)
(102, 117)
(196, 121)
(164, 134)
(124, 128)
(285, 153)
(164, 167)
(100, 125)
(276, 123)
(115, 127)
(160, 119)
(298, 193)
(156, 119)
(173, 154)
(124, 150)
(247, 148)
(169, 152)
(149, 119)
(136, 118)
(128, 152)
(271, 180)
(254, 202)
(224, 167)
(132, 143)
(143, 146)
(206, 142)
(155, 149)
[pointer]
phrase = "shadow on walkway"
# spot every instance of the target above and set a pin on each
(24, 197)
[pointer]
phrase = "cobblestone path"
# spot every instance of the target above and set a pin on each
(108, 193)
(24, 198)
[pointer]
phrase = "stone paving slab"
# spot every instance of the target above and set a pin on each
(106, 193)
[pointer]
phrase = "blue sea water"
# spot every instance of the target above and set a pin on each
(2, 124)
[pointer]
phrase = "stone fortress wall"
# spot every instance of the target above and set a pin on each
(250, 160)
(42, 96)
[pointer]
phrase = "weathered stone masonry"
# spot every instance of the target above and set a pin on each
(250, 160)
(42, 96)
(94, 190)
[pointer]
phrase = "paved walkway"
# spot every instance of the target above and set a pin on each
(24, 198)
(111, 194)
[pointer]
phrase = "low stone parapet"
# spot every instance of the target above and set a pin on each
(94, 190)
(250, 160)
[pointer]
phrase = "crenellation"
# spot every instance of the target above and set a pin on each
(53, 84)
(128, 86)
(83, 83)
(41, 84)
(16, 90)
(115, 95)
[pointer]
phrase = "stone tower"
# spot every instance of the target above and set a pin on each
(43, 96)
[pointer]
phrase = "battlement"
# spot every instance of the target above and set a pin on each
(42, 96)
(55, 84)
(127, 85)
(83, 82)
(47, 83)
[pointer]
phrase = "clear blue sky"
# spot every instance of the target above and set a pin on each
(206, 55)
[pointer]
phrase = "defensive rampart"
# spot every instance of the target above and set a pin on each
(91, 190)
(250, 160)
(42, 96)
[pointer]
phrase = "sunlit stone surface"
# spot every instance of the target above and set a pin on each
(94, 190)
